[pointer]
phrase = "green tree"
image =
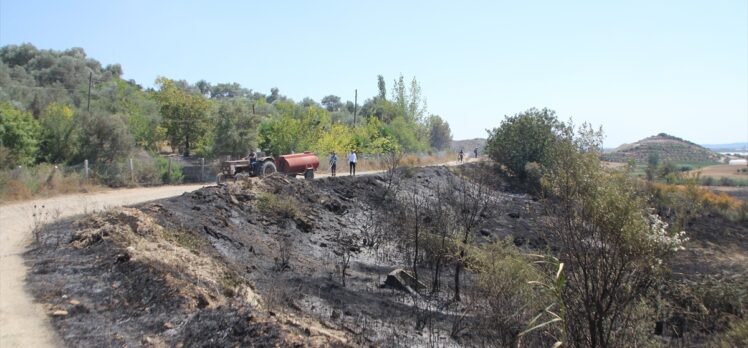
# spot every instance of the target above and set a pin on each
(307, 102)
(295, 129)
(440, 135)
(524, 138)
(58, 133)
(19, 137)
(338, 139)
(381, 87)
(653, 161)
(103, 138)
(236, 128)
(406, 134)
(332, 103)
(278, 134)
(185, 114)
(274, 95)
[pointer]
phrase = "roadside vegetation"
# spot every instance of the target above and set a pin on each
(62, 108)
(619, 232)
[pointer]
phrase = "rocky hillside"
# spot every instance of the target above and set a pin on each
(666, 147)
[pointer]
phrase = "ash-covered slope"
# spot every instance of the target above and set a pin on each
(272, 262)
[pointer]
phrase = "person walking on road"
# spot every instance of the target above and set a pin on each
(476, 152)
(352, 163)
(462, 155)
(333, 163)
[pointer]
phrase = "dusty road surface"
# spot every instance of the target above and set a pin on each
(24, 323)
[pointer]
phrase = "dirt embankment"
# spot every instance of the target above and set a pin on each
(22, 322)
(254, 263)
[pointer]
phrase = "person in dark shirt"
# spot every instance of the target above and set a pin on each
(333, 163)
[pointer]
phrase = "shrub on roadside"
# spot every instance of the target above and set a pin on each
(506, 298)
(274, 205)
(523, 138)
(42, 180)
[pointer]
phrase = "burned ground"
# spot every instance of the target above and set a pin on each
(271, 262)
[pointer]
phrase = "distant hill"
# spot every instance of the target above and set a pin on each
(469, 144)
(726, 147)
(667, 147)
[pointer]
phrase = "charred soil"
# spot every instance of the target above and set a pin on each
(276, 262)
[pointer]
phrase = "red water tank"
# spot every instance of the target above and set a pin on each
(297, 163)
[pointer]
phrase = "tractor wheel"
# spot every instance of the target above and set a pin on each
(267, 168)
(309, 174)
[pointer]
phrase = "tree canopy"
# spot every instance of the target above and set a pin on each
(48, 115)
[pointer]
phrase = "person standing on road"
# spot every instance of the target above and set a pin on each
(352, 163)
(462, 155)
(476, 152)
(333, 163)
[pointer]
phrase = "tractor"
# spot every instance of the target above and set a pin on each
(294, 164)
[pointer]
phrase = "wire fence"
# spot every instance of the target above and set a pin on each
(24, 182)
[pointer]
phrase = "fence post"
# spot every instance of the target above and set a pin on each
(202, 169)
(132, 172)
(85, 169)
(168, 172)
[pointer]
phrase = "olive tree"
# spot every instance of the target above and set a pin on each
(185, 114)
(236, 128)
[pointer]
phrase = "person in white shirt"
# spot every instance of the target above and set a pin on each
(352, 162)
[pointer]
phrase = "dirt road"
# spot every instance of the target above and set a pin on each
(24, 323)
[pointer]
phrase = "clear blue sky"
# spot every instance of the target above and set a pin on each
(635, 67)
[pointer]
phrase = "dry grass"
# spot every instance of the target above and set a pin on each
(42, 181)
(143, 239)
(724, 171)
(614, 165)
(278, 205)
(720, 202)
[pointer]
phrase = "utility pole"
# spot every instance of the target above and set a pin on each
(355, 106)
(90, 80)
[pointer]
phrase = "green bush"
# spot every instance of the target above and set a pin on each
(274, 205)
(506, 298)
(523, 138)
(612, 247)
(708, 181)
(167, 177)
(19, 137)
